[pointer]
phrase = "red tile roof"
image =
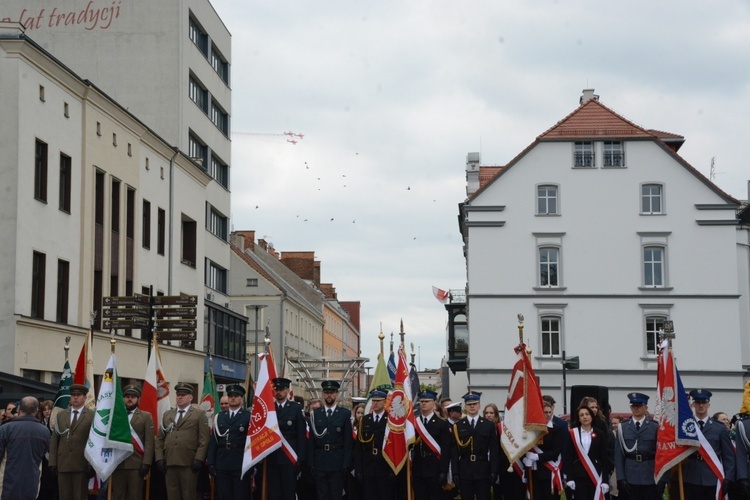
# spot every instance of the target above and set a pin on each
(487, 173)
(594, 120)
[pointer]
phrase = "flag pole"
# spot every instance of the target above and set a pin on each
(667, 333)
(112, 343)
(530, 469)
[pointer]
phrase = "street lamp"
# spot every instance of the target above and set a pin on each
(568, 364)
(257, 309)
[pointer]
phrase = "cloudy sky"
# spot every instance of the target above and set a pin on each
(390, 96)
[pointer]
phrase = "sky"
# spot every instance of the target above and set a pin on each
(389, 97)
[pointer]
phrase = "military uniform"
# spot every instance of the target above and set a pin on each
(635, 450)
(282, 473)
(128, 478)
(700, 481)
(475, 453)
(181, 447)
(429, 470)
(225, 451)
(378, 480)
(330, 447)
(66, 450)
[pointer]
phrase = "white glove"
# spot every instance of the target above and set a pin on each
(571, 485)
(605, 488)
(532, 456)
(527, 462)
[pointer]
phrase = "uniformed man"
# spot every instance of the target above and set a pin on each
(700, 480)
(68, 444)
(454, 412)
(182, 444)
(430, 470)
(226, 447)
(330, 444)
(224, 403)
(128, 478)
(474, 457)
(378, 480)
(635, 449)
(282, 473)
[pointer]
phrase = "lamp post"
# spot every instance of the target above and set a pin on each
(257, 310)
(568, 364)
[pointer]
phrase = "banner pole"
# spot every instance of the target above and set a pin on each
(682, 487)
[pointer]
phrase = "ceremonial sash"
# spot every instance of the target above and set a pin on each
(137, 443)
(554, 468)
(710, 457)
(587, 463)
(427, 437)
(520, 470)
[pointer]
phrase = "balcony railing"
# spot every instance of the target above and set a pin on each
(583, 159)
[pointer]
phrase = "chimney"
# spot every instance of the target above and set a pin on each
(300, 263)
(263, 244)
(316, 273)
(328, 290)
(472, 173)
(237, 240)
(249, 237)
(588, 94)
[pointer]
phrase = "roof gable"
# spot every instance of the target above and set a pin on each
(594, 120)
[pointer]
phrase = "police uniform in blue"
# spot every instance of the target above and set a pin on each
(227, 446)
(635, 450)
(700, 481)
(475, 451)
(378, 480)
(282, 473)
(330, 444)
(430, 471)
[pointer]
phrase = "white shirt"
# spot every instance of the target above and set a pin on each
(586, 438)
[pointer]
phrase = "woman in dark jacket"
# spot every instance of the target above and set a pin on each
(585, 462)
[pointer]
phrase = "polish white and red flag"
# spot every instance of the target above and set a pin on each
(524, 421)
(155, 393)
(264, 436)
(84, 374)
(442, 296)
(400, 430)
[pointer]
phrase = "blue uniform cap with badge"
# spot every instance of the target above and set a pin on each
(378, 395)
(235, 390)
(637, 398)
(472, 397)
(330, 386)
(701, 395)
(430, 395)
(281, 383)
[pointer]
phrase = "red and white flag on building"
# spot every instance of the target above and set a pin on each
(84, 373)
(399, 432)
(155, 393)
(264, 436)
(678, 433)
(442, 296)
(524, 421)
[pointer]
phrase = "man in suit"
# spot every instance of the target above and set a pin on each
(700, 481)
(635, 449)
(330, 444)
(68, 444)
(378, 480)
(282, 473)
(182, 444)
(430, 470)
(128, 478)
(475, 449)
(227, 445)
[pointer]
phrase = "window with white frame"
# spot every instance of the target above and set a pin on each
(550, 335)
(549, 262)
(219, 171)
(197, 150)
(652, 199)
(547, 200)
(220, 65)
(653, 266)
(654, 325)
(613, 154)
(198, 36)
(198, 94)
(583, 155)
(216, 276)
(216, 222)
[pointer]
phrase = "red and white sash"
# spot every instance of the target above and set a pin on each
(554, 467)
(430, 441)
(587, 463)
(137, 443)
(713, 462)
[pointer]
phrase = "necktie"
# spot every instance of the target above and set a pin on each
(700, 423)
(328, 413)
(179, 415)
(637, 426)
(232, 414)
(471, 422)
(75, 418)
(424, 420)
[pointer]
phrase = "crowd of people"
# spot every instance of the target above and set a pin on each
(332, 452)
